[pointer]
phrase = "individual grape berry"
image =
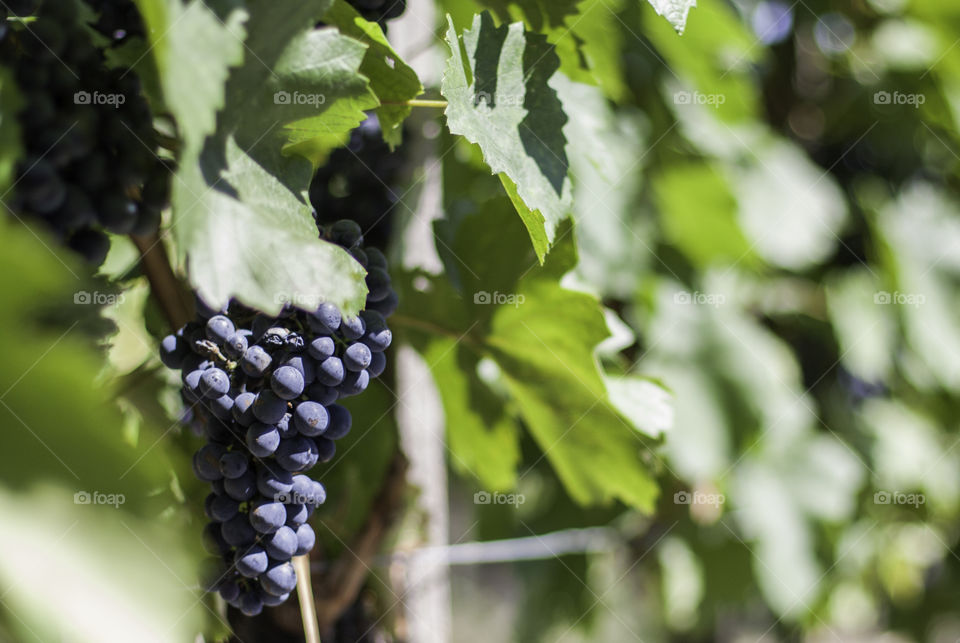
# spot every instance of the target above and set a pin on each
(251, 604)
(287, 382)
(262, 439)
(214, 383)
(297, 514)
(357, 357)
(268, 517)
(274, 482)
(238, 532)
(172, 351)
(241, 488)
(255, 361)
(325, 449)
(311, 418)
(272, 601)
(353, 327)
(242, 409)
(282, 544)
(330, 371)
(297, 454)
(253, 562)
(268, 408)
(230, 591)
(340, 421)
(305, 539)
(219, 329)
(223, 508)
(304, 366)
(321, 348)
(279, 579)
(233, 464)
(354, 383)
(236, 345)
(378, 362)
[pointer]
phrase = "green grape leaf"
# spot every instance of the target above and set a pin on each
(590, 46)
(193, 49)
(497, 85)
(251, 237)
(675, 11)
(698, 215)
(391, 79)
(541, 338)
(241, 218)
(715, 62)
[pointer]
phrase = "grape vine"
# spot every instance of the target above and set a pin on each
(263, 391)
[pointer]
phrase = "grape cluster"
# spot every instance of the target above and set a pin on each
(379, 10)
(360, 181)
(263, 391)
(117, 19)
(89, 164)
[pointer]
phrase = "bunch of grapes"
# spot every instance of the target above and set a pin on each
(117, 19)
(359, 181)
(89, 164)
(263, 391)
(379, 10)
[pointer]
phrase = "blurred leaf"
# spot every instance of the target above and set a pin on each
(606, 162)
(644, 403)
(699, 215)
(911, 455)
(791, 210)
(499, 99)
(546, 359)
(921, 234)
(675, 11)
(711, 66)
(483, 439)
(94, 573)
(865, 330)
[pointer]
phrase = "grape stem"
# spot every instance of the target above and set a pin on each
(164, 285)
(308, 610)
(419, 102)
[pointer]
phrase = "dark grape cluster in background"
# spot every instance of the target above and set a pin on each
(117, 19)
(263, 390)
(88, 164)
(360, 181)
(379, 10)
